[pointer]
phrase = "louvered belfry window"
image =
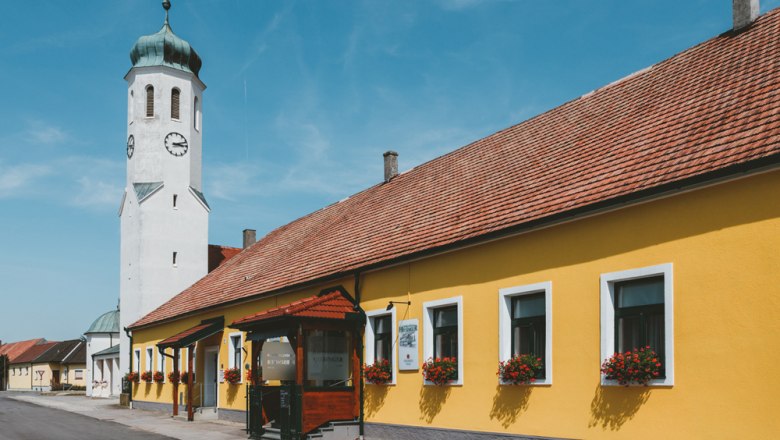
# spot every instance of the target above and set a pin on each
(175, 103)
(149, 101)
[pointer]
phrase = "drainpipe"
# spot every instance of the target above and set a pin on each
(360, 357)
(130, 335)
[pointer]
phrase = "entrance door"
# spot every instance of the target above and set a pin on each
(210, 382)
(55, 377)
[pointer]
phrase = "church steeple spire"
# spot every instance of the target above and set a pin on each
(166, 5)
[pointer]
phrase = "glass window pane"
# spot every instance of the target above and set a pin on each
(640, 292)
(526, 306)
(327, 358)
(446, 317)
(629, 333)
(382, 325)
(446, 345)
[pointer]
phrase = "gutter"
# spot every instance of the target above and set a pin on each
(361, 349)
(732, 172)
(130, 353)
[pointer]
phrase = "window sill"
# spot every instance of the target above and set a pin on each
(456, 383)
(655, 383)
(538, 383)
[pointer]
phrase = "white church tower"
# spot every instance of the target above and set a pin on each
(163, 215)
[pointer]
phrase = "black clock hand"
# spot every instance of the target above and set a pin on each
(180, 144)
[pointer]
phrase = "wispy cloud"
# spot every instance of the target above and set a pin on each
(95, 193)
(20, 178)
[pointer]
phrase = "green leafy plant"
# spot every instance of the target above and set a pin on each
(520, 370)
(636, 366)
(440, 371)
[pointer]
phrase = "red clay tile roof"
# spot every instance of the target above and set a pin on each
(712, 109)
(329, 306)
(200, 331)
(219, 254)
(33, 353)
(15, 349)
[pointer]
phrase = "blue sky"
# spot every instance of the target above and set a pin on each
(303, 97)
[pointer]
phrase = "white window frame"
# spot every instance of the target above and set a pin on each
(370, 356)
(608, 281)
(232, 353)
(161, 364)
(137, 353)
(505, 296)
(149, 359)
(428, 308)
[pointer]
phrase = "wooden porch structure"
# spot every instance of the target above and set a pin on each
(322, 383)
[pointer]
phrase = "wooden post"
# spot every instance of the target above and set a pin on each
(176, 384)
(190, 379)
(299, 357)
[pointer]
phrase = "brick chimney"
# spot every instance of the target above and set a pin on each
(249, 237)
(745, 11)
(391, 165)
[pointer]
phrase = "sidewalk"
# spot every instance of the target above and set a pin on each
(150, 421)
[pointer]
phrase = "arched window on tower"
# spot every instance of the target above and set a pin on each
(131, 106)
(149, 101)
(175, 103)
(196, 114)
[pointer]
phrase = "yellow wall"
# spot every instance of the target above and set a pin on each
(723, 242)
(230, 396)
(20, 377)
(71, 379)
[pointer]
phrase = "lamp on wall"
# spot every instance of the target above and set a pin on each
(390, 304)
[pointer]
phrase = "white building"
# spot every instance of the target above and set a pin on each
(163, 214)
(104, 378)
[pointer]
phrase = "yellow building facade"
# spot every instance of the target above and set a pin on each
(643, 215)
(715, 245)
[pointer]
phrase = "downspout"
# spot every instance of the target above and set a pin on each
(130, 353)
(360, 356)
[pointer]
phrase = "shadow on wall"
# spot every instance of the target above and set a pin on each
(432, 399)
(232, 392)
(613, 406)
(375, 399)
(158, 390)
(509, 402)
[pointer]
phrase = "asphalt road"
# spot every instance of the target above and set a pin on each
(25, 421)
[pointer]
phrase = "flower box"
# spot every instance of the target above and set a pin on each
(632, 367)
(146, 376)
(520, 370)
(132, 376)
(232, 375)
(378, 373)
(158, 377)
(440, 371)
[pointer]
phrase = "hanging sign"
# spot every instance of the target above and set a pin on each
(278, 361)
(408, 335)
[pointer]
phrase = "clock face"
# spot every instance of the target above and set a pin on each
(176, 144)
(130, 146)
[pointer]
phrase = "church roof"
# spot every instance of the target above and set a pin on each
(108, 351)
(105, 323)
(708, 113)
(165, 48)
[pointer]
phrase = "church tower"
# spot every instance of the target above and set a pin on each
(163, 215)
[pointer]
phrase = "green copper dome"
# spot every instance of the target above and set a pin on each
(106, 323)
(165, 49)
